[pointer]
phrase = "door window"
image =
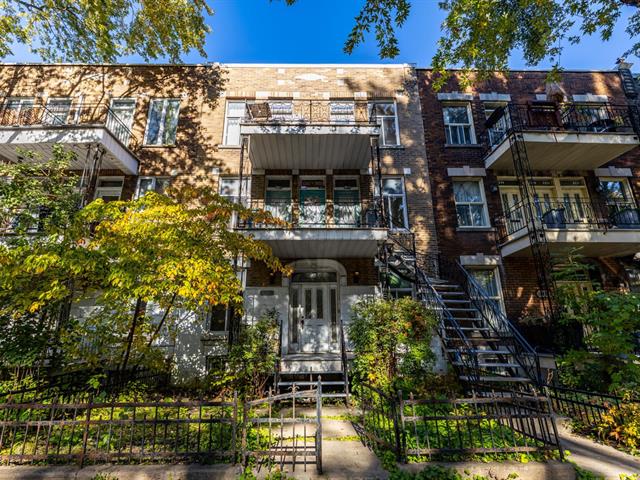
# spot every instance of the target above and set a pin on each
(278, 198)
(489, 280)
(384, 113)
(394, 202)
(120, 118)
(499, 129)
(19, 111)
(57, 112)
(346, 202)
(312, 202)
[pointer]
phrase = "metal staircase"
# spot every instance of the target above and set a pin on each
(481, 344)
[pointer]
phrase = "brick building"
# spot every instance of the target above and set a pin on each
(575, 142)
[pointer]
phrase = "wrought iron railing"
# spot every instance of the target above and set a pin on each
(82, 114)
(562, 213)
(299, 111)
(336, 214)
(546, 116)
(501, 327)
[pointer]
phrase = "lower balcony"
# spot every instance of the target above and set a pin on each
(597, 230)
(336, 230)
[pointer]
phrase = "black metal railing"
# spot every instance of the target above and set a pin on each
(335, 214)
(549, 116)
(437, 429)
(501, 328)
(300, 111)
(83, 114)
(562, 213)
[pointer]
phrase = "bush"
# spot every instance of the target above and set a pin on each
(392, 343)
(621, 425)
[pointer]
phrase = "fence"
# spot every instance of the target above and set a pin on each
(438, 429)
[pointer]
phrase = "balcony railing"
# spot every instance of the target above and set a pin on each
(548, 116)
(307, 215)
(561, 213)
(76, 115)
(333, 112)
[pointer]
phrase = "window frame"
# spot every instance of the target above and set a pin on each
(245, 192)
(485, 209)
(29, 102)
(624, 181)
(154, 180)
(496, 274)
(48, 118)
(98, 189)
(225, 130)
(228, 313)
(472, 130)
(113, 113)
(383, 143)
(165, 101)
(405, 209)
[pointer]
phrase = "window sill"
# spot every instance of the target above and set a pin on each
(228, 147)
(463, 145)
(391, 147)
(475, 229)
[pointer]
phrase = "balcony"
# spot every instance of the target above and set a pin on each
(310, 134)
(562, 137)
(599, 230)
(38, 128)
(335, 230)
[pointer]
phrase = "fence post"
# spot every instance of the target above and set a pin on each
(319, 426)
(552, 414)
(403, 438)
(396, 425)
(234, 427)
(243, 444)
(85, 433)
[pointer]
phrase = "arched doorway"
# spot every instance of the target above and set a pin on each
(314, 306)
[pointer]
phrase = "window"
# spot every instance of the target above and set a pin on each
(218, 319)
(278, 198)
(489, 280)
(57, 111)
(18, 111)
(120, 118)
(346, 202)
(229, 188)
(152, 184)
(385, 116)
(593, 117)
(109, 188)
(459, 125)
(470, 203)
(499, 129)
(394, 202)
(162, 123)
(616, 191)
(235, 113)
(342, 112)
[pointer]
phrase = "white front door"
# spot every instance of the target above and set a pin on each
(315, 317)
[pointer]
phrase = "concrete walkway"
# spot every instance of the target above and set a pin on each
(595, 457)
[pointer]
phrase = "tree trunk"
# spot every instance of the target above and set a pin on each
(164, 318)
(132, 330)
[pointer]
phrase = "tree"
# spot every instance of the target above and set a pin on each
(103, 31)
(170, 254)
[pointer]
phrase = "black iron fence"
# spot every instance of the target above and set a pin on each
(440, 429)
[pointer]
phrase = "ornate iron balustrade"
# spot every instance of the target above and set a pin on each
(562, 213)
(333, 112)
(549, 116)
(85, 114)
(332, 215)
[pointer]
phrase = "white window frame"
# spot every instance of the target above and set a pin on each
(50, 117)
(163, 118)
(496, 274)
(625, 185)
(383, 140)
(108, 191)
(114, 120)
(472, 130)
(154, 184)
(395, 195)
(226, 123)
(485, 209)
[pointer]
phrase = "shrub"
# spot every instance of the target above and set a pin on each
(621, 425)
(392, 343)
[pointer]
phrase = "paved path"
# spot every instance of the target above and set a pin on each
(597, 458)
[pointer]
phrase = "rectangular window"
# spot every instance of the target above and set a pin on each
(278, 198)
(109, 188)
(219, 317)
(616, 191)
(458, 124)
(152, 184)
(162, 123)
(236, 112)
(120, 118)
(394, 202)
(489, 280)
(385, 115)
(18, 111)
(229, 188)
(471, 207)
(346, 202)
(499, 129)
(342, 112)
(57, 111)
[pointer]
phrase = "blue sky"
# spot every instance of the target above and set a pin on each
(313, 31)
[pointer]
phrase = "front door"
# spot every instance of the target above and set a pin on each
(314, 315)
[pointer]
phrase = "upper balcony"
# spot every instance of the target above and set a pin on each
(562, 137)
(38, 128)
(599, 230)
(310, 134)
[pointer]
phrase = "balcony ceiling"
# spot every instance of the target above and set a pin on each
(616, 242)
(565, 150)
(78, 139)
(322, 243)
(310, 146)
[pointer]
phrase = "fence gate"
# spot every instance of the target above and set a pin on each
(284, 430)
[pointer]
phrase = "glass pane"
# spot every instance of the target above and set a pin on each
(153, 126)
(396, 212)
(229, 187)
(278, 183)
(389, 131)
(456, 115)
(57, 111)
(464, 215)
(236, 109)
(477, 215)
(385, 109)
(218, 319)
(171, 122)
(334, 316)
(162, 184)
(120, 118)
(614, 191)
(392, 186)
(233, 132)
(109, 183)
(144, 185)
(307, 303)
(295, 311)
(346, 184)
(319, 303)
(467, 192)
(486, 278)
(311, 277)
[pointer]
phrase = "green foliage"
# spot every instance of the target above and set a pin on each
(392, 343)
(621, 426)
(252, 359)
(438, 472)
(582, 474)
(90, 31)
